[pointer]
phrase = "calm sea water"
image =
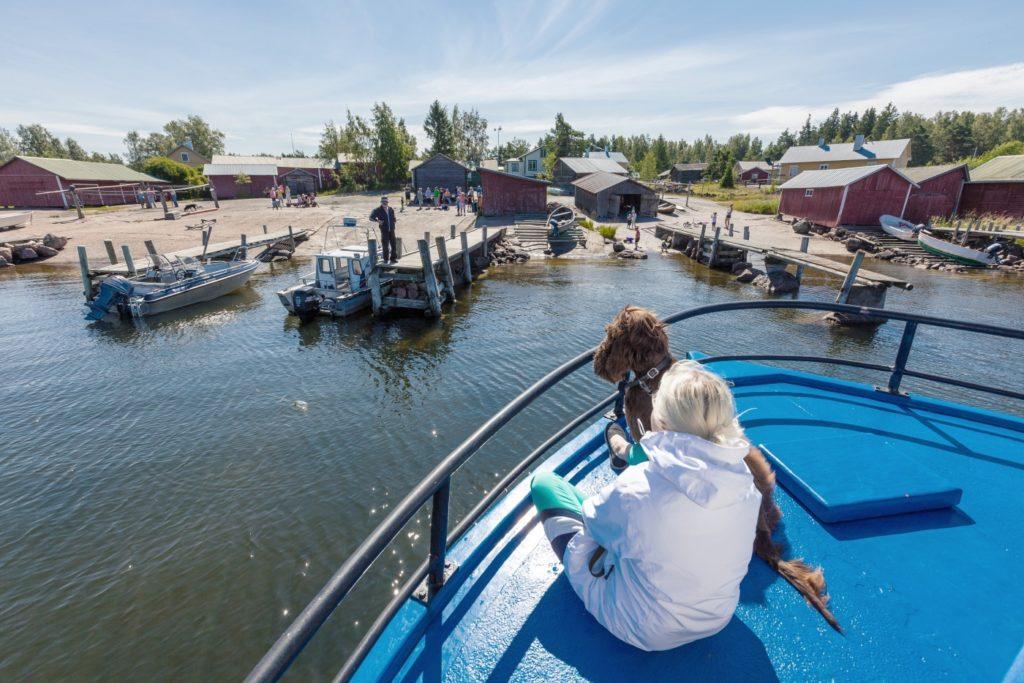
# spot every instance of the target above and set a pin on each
(174, 491)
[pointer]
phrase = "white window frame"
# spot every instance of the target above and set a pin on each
(809, 192)
(531, 165)
(822, 167)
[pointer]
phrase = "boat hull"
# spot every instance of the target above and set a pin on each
(12, 220)
(336, 306)
(155, 303)
(964, 255)
(899, 228)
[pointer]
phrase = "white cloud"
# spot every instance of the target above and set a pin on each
(85, 129)
(973, 89)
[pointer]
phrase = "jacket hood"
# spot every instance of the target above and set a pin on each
(711, 475)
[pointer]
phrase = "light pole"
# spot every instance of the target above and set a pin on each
(498, 131)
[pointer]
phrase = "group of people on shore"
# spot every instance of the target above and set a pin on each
(443, 198)
(148, 197)
(281, 196)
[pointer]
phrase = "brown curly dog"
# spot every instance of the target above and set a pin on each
(636, 341)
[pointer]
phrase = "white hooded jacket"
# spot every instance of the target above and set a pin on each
(679, 532)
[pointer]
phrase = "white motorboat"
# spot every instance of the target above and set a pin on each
(956, 252)
(337, 287)
(11, 219)
(899, 228)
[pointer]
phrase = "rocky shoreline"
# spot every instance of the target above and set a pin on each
(30, 250)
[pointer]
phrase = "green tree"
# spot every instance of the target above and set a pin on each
(407, 138)
(172, 171)
(659, 149)
(206, 139)
(512, 149)
(391, 152)
(8, 145)
(471, 135)
(438, 127)
(36, 141)
(75, 151)
(727, 180)
(648, 168)
(564, 140)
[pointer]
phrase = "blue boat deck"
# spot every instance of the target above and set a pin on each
(931, 593)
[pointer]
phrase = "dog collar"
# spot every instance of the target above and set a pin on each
(650, 375)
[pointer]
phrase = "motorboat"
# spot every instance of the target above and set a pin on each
(337, 286)
(666, 207)
(910, 501)
(899, 228)
(11, 219)
(167, 285)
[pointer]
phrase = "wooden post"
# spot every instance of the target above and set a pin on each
(83, 266)
(967, 233)
(264, 228)
(453, 232)
(805, 242)
(446, 267)
(689, 190)
(207, 234)
(746, 232)
(399, 247)
(467, 260)
(851, 277)
(433, 297)
(128, 259)
(373, 278)
(78, 202)
(111, 254)
(700, 241)
(714, 247)
(213, 194)
(956, 231)
(730, 229)
(150, 247)
(244, 249)
(163, 202)
(291, 237)
(485, 241)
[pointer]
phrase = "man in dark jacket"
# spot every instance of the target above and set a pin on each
(385, 217)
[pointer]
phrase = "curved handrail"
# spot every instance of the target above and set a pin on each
(436, 484)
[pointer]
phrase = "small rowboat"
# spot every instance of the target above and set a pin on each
(965, 255)
(899, 228)
(666, 207)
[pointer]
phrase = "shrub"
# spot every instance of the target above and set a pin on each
(242, 179)
(171, 170)
(607, 231)
(586, 223)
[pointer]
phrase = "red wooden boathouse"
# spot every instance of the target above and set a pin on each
(996, 187)
(23, 178)
(846, 196)
(938, 191)
(506, 194)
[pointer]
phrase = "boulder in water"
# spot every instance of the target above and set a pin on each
(777, 282)
(748, 275)
(618, 247)
(739, 267)
(25, 254)
(44, 251)
(55, 241)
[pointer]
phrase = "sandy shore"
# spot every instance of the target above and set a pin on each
(132, 225)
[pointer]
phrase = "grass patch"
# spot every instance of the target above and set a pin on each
(607, 231)
(586, 223)
(733, 194)
(768, 206)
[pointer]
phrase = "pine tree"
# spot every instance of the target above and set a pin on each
(727, 175)
(391, 152)
(438, 127)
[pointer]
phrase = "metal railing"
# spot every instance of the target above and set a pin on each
(436, 486)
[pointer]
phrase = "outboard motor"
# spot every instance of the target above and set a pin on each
(994, 249)
(113, 291)
(306, 305)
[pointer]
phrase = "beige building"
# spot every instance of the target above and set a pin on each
(860, 152)
(184, 154)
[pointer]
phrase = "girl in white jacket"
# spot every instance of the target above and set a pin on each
(658, 556)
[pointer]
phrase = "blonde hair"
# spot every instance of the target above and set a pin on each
(693, 400)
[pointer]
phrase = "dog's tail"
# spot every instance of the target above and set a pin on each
(809, 581)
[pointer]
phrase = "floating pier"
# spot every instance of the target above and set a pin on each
(425, 278)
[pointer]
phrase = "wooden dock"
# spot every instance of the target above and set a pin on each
(798, 258)
(425, 278)
(213, 250)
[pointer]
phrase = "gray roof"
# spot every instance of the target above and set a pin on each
(843, 151)
(617, 157)
(600, 181)
(919, 174)
(1000, 168)
(71, 169)
(287, 162)
(514, 176)
(595, 165)
(836, 177)
(263, 169)
(751, 165)
(443, 156)
(690, 167)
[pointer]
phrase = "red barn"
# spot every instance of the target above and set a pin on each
(506, 194)
(846, 196)
(259, 178)
(938, 191)
(98, 184)
(996, 187)
(752, 172)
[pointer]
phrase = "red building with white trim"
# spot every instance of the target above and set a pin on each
(938, 192)
(506, 194)
(996, 187)
(38, 182)
(846, 196)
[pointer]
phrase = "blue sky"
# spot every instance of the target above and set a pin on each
(264, 72)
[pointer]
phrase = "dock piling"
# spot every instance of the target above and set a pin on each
(805, 242)
(83, 266)
(485, 241)
(453, 231)
(429, 279)
(446, 267)
(111, 254)
(467, 260)
(746, 232)
(714, 246)
(373, 279)
(151, 249)
(291, 237)
(213, 194)
(128, 260)
(399, 247)
(243, 249)
(264, 228)
(700, 241)
(851, 277)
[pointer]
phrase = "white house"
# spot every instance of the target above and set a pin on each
(530, 165)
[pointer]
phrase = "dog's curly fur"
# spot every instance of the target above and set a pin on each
(635, 340)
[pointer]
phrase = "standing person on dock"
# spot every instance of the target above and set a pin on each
(460, 204)
(174, 197)
(385, 217)
(419, 198)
